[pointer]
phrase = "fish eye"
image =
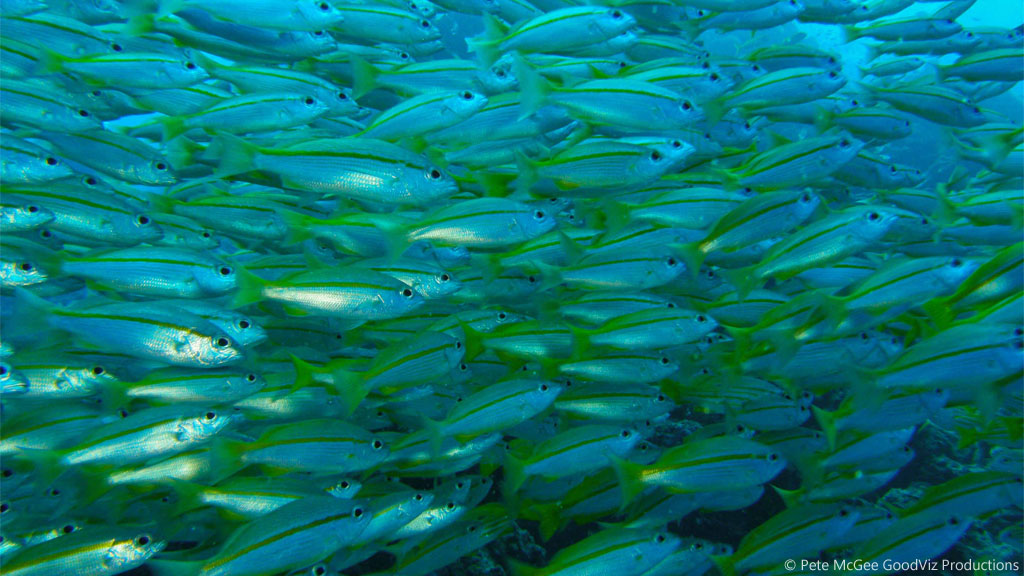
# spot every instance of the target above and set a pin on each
(407, 293)
(26, 266)
(953, 521)
(68, 529)
(671, 261)
(472, 528)
(956, 263)
(531, 279)
(538, 215)
(342, 96)
(206, 234)
(357, 512)
(671, 305)
(467, 95)
(832, 74)
(51, 161)
(450, 505)
(403, 55)
(843, 512)
(222, 342)
(714, 77)
(142, 540)
(225, 270)
(319, 571)
(892, 169)
(543, 387)
(424, 23)
(664, 360)
(210, 415)
(116, 47)
(445, 277)
(435, 174)
(318, 33)
(463, 367)
(655, 156)
(324, 6)
(98, 370)
(977, 110)
(677, 144)
(687, 105)
(377, 444)
(5, 507)
(418, 497)
(190, 65)
(873, 216)
(805, 198)
(844, 143)
(161, 166)
(250, 377)
(499, 73)
(701, 318)
(97, 93)
(625, 434)
(142, 219)
(3, 372)
(773, 457)
(308, 101)
(83, 113)
(243, 324)
(502, 315)
(660, 538)
(458, 345)
(616, 14)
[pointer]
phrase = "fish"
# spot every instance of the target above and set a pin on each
(415, 287)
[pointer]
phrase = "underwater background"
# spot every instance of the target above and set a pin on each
(525, 287)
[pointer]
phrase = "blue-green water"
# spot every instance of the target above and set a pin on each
(499, 287)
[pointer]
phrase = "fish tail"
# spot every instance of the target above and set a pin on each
(527, 172)
(533, 88)
(940, 310)
(364, 76)
(725, 564)
(50, 62)
(827, 421)
(515, 474)
(630, 480)
(550, 276)
(850, 33)
(743, 279)
(250, 289)
(486, 45)
(298, 231)
(30, 314)
(474, 340)
(188, 494)
(181, 151)
(351, 387)
(691, 255)
(140, 23)
(226, 457)
(236, 155)
(173, 126)
(303, 372)
(791, 498)
(550, 520)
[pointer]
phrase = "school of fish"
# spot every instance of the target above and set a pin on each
(667, 287)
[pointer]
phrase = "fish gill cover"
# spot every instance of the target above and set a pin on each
(528, 287)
